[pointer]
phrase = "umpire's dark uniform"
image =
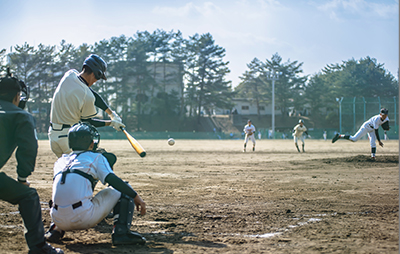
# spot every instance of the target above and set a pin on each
(17, 130)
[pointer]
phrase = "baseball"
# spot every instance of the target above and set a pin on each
(171, 141)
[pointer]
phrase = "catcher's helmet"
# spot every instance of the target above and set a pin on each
(81, 135)
(97, 65)
(10, 85)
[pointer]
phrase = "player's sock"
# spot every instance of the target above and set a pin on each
(303, 148)
(373, 151)
(346, 137)
(297, 148)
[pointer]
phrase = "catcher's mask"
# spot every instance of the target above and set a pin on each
(97, 65)
(12, 85)
(81, 135)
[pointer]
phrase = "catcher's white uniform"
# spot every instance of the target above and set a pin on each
(75, 207)
(72, 101)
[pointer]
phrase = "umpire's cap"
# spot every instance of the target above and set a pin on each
(384, 111)
(97, 65)
(81, 135)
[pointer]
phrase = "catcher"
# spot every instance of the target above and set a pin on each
(370, 127)
(249, 131)
(74, 207)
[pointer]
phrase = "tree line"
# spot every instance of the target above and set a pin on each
(141, 67)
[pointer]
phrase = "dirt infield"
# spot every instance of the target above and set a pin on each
(207, 196)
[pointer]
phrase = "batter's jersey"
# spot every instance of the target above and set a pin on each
(72, 101)
(299, 130)
(249, 128)
(374, 122)
(76, 187)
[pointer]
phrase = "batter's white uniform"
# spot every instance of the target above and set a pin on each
(369, 128)
(298, 133)
(72, 101)
(249, 130)
(79, 189)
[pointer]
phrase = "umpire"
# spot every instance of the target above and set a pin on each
(17, 131)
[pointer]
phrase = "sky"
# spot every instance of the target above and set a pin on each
(313, 32)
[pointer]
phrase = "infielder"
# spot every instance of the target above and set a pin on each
(74, 207)
(371, 128)
(75, 101)
(249, 131)
(17, 131)
(297, 134)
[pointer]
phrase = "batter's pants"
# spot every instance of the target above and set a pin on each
(59, 141)
(29, 207)
(89, 214)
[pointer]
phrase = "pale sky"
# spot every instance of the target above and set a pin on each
(315, 32)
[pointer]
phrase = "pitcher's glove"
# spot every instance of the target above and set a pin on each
(385, 126)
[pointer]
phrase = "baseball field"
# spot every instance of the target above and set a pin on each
(207, 196)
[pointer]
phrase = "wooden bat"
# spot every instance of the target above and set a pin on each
(134, 143)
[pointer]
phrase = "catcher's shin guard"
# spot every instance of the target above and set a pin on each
(123, 213)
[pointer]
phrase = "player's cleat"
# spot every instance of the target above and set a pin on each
(244, 150)
(46, 249)
(336, 137)
(373, 158)
(53, 236)
(129, 237)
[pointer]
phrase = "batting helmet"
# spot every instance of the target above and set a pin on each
(97, 65)
(81, 135)
(10, 86)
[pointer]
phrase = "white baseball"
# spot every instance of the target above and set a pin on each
(171, 141)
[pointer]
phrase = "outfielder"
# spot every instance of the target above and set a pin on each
(75, 101)
(297, 134)
(370, 127)
(74, 207)
(249, 131)
(17, 131)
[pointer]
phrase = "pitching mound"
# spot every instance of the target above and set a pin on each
(390, 159)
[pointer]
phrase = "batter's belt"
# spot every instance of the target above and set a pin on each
(59, 127)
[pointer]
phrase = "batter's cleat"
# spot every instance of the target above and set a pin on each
(129, 237)
(46, 249)
(53, 236)
(336, 137)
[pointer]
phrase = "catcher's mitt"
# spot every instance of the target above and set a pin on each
(385, 126)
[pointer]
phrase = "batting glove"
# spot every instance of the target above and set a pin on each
(117, 125)
(116, 117)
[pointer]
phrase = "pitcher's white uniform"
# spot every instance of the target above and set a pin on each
(72, 101)
(369, 128)
(78, 189)
(298, 133)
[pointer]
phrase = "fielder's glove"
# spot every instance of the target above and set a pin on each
(117, 125)
(116, 117)
(385, 126)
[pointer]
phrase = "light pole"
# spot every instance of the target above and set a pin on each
(273, 75)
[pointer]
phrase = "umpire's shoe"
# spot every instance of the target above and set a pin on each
(46, 249)
(129, 237)
(336, 137)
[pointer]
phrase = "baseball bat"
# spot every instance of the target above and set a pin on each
(134, 143)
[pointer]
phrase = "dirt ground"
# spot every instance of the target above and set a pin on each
(207, 196)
